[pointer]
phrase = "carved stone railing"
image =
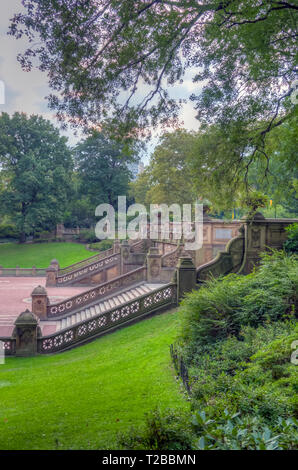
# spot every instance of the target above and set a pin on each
(26, 272)
(225, 262)
(95, 267)
(139, 246)
(90, 296)
(96, 326)
(9, 345)
(171, 258)
(86, 262)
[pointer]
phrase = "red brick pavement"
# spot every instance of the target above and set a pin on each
(15, 298)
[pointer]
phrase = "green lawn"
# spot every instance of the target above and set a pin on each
(41, 254)
(81, 398)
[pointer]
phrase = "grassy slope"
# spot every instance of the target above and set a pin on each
(41, 254)
(80, 399)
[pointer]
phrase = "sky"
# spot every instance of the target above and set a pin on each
(27, 91)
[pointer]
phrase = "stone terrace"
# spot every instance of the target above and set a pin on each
(15, 297)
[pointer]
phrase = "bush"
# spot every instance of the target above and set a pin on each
(253, 375)
(291, 245)
(87, 236)
(222, 307)
(102, 246)
(232, 432)
(170, 430)
(9, 231)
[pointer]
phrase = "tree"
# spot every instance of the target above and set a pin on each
(35, 166)
(102, 169)
(99, 55)
(168, 179)
(281, 182)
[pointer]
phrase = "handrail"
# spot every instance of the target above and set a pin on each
(9, 345)
(86, 262)
(97, 325)
(32, 272)
(170, 259)
(76, 274)
(89, 296)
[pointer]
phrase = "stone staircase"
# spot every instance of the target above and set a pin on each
(117, 300)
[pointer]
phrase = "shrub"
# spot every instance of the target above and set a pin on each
(9, 231)
(170, 430)
(222, 307)
(102, 246)
(291, 244)
(87, 236)
(253, 376)
(233, 432)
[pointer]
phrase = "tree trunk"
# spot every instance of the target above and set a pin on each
(22, 238)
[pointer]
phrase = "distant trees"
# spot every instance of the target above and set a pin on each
(214, 165)
(168, 179)
(36, 165)
(44, 182)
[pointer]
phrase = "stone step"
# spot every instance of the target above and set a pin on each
(106, 305)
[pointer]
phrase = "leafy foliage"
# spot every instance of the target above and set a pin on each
(291, 244)
(245, 52)
(35, 166)
(168, 178)
(102, 168)
(231, 432)
(223, 306)
(169, 430)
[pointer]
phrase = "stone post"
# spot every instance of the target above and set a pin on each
(255, 241)
(116, 246)
(51, 279)
(186, 276)
(55, 264)
(39, 302)
(26, 332)
(124, 255)
(153, 265)
(52, 272)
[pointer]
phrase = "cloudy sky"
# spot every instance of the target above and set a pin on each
(26, 91)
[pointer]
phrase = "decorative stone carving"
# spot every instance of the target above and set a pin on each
(153, 264)
(26, 332)
(39, 302)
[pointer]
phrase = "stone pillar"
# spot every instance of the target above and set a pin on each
(116, 246)
(55, 264)
(255, 241)
(124, 255)
(51, 279)
(186, 276)
(52, 272)
(26, 332)
(39, 302)
(153, 265)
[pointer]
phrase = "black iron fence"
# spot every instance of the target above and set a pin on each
(181, 368)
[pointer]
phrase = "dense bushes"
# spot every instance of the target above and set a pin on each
(224, 306)
(236, 336)
(291, 245)
(102, 246)
(9, 231)
(168, 430)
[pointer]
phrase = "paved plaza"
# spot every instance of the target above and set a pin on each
(15, 297)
